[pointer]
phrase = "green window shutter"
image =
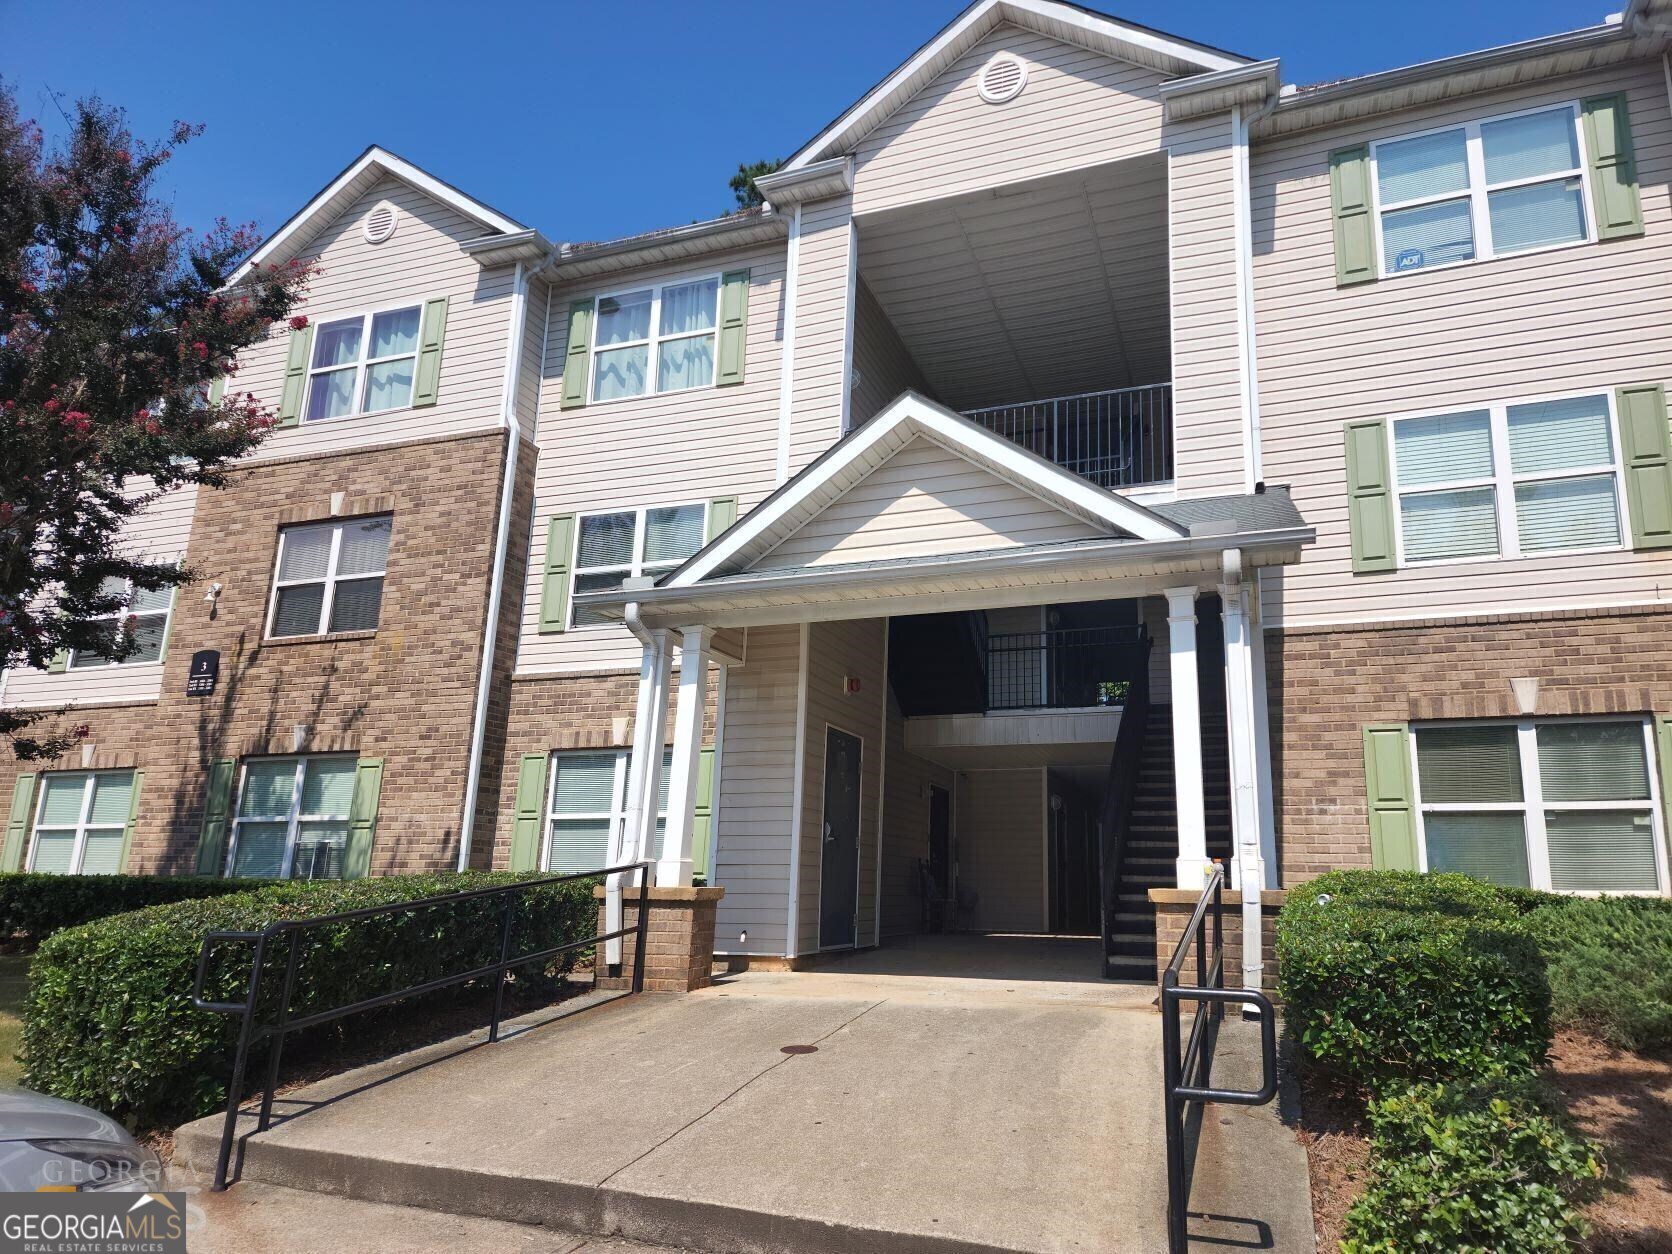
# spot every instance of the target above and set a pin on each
(554, 588)
(1613, 163)
(531, 799)
(211, 845)
(722, 513)
(434, 334)
(217, 389)
(577, 357)
(17, 824)
(133, 817)
(1663, 734)
(1355, 233)
(1369, 497)
(1387, 782)
(734, 327)
(60, 661)
(702, 822)
(362, 817)
(1646, 444)
(296, 376)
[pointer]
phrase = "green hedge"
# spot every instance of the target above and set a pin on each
(1487, 1167)
(109, 1022)
(1392, 976)
(1610, 965)
(34, 906)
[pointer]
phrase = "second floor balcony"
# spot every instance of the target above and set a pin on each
(1119, 438)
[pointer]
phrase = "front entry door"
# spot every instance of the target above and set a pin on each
(839, 874)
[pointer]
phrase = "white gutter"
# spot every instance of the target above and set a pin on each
(1242, 212)
(786, 352)
(502, 537)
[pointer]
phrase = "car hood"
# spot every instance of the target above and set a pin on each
(27, 1116)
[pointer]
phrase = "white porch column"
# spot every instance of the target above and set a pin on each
(1187, 737)
(644, 770)
(1244, 760)
(674, 868)
(1262, 735)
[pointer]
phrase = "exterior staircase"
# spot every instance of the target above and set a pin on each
(1151, 845)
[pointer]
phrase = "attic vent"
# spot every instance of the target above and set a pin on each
(379, 224)
(1002, 79)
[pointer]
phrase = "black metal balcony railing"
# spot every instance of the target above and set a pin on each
(1117, 439)
(1064, 668)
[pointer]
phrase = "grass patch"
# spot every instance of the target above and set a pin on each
(14, 979)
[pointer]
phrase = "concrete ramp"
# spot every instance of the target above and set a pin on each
(960, 1116)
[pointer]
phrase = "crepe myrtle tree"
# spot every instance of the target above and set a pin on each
(115, 325)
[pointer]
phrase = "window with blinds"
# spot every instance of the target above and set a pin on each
(613, 547)
(79, 822)
(1566, 805)
(1508, 480)
(1489, 188)
(587, 808)
(292, 818)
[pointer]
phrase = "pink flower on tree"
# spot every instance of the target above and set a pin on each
(299, 322)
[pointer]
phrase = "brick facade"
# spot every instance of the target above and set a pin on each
(404, 693)
(679, 945)
(1173, 907)
(1324, 686)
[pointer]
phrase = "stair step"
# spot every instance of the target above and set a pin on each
(1132, 947)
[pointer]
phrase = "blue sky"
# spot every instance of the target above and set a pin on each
(588, 120)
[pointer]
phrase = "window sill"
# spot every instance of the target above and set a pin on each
(330, 637)
(1488, 260)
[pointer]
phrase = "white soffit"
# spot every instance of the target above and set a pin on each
(862, 451)
(1065, 22)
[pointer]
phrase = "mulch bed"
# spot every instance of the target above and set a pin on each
(1620, 1099)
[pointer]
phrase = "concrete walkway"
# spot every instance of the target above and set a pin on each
(997, 1106)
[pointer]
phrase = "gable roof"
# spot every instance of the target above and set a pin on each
(908, 417)
(363, 173)
(1069, 23)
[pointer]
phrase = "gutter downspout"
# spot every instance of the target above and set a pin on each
(1243, 222)
(633, 827)
(502, 537)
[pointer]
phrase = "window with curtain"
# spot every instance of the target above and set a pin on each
(1488, 188)
(292, 818)
(80, 819)
(587, 808)
(610, 548)
(330, 577)
(1508, 480)
(363, 364)
(1558, 804)
(143, 614)
(656, 339)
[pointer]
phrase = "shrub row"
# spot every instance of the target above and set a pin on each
(1610, 965)
(109, 1022)
(34, 906)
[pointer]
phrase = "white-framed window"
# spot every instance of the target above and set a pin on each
(586, 807)
(1508, 480)
(363, 364)
(655, 339)
(149, 613)
(619, 545)
(80, 820)
(1509, 184)
(292, 817)
(1569, 805)
(329, 577)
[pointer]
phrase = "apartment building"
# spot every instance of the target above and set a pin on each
(1096, 458)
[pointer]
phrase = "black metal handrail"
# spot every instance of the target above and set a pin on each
(251, 1032)
(1063, 667)
(1121, 791)
(1185, 1073)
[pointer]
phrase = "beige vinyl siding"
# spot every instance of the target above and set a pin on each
(755, 819)
(836, 650)
(824, 279)
(1000, 821)
(529, 382)
(419, 262)
(924, 500)
(905, 827)
(1207, 382)
(159, 532)
(1589, 316)
(880, 361)
(1079, 108)
(650, 450)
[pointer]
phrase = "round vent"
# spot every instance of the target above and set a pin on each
(1002, 79)
(379, 224)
